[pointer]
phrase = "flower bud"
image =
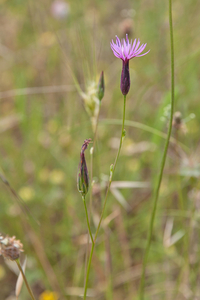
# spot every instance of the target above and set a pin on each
(101, 87)
(83, 177)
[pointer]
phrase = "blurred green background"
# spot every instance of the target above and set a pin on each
(49, 50)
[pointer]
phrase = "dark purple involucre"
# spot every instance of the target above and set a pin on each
(125, 78)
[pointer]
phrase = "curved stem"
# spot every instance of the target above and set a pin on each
(105, 200)
(24, 277)
(146, 254)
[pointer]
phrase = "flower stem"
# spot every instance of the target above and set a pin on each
(146, 254)
(92, 159)
(90, 258)
(24, 277)
(114, 165)
(91, 174)
(105, 200)
(88, 271)
(88, 223)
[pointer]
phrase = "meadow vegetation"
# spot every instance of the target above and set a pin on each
(49, 62)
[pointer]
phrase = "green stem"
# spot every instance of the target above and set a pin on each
(24, 277)
(91, 174)
(92, 157)
(114, 165)
(146, 254)
(88, 223)
(88, 271)
(105, 200)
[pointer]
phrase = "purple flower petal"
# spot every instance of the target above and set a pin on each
(142, 47)
(143, 54)
(126, 50)
(136, 47)
(133, 45)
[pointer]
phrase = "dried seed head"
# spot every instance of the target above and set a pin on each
(126, 26)
(179, 123)
(10, 248)
(177, 120)
(91, 102)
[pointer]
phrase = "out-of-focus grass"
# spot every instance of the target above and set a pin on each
(40, 151)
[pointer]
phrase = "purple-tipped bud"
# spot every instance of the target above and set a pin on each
(101, 87)
(83, 177)
(125, 77)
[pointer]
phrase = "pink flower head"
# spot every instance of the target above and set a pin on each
(126, 50)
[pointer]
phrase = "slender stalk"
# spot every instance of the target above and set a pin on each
(88, 271)
(91, 174)
(114, 166)
(146, 254)
(105, 200)
(88, 223)
(24, 277)
(92, 157)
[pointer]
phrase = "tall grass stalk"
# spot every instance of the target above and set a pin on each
(155, 202)
(105, 200)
